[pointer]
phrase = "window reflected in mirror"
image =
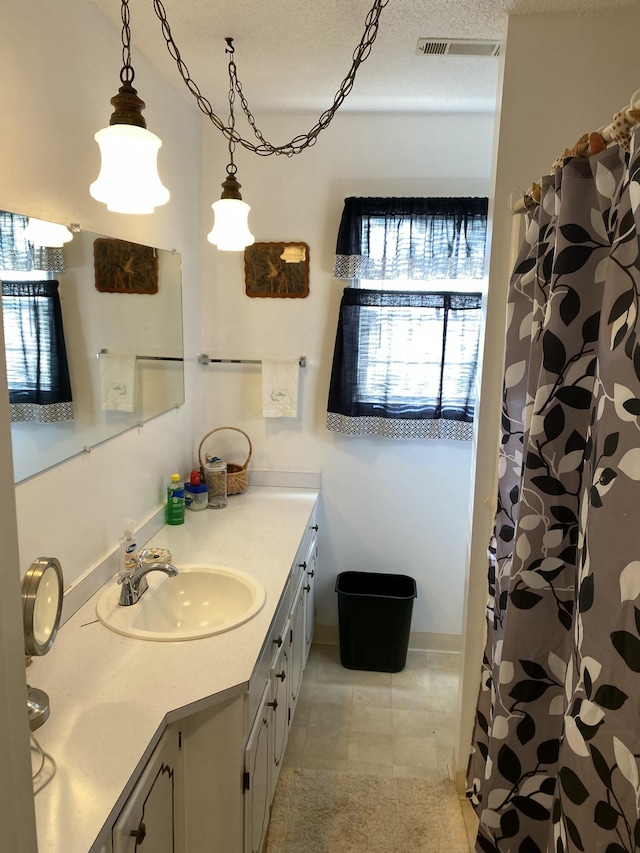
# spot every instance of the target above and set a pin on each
(86, 361)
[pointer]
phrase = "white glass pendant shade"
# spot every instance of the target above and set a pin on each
(128, 181)
(48, 234)
(230, 232)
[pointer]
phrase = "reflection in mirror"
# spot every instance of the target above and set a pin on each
(121, 319)
(45, 612)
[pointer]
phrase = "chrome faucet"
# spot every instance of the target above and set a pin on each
(134, 583)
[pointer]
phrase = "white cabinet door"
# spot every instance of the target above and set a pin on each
(297, 647)
(257, 775)
(280, 678)
(309, 588)
(150, 818)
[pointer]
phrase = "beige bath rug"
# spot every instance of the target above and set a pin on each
(323, 811)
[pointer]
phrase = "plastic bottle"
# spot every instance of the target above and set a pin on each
(128, 547)
(175, 501)
(215, 473)
(195, 492)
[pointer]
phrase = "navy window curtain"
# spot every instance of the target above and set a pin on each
(418, 379)
(37, 370)
(405, 361)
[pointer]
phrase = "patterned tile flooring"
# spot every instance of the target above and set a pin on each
(384, 724)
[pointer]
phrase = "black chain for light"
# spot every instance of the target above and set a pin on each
(231, 168)
(265, 148)
(127, 73)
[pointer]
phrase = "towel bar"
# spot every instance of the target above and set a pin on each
(204, 360)
(146, 357)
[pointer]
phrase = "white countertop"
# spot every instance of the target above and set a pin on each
(111, 696)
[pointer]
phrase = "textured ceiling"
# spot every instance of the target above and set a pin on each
(293, 54)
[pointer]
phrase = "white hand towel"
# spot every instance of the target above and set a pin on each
(117, 381)
(280, 387)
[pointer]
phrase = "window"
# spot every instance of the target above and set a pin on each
(407, 341)
(37, 370)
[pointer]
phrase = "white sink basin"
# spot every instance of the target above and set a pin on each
(199, 602)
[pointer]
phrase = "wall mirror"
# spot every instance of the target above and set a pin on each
(121, 307)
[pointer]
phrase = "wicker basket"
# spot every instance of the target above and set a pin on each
(237, 477)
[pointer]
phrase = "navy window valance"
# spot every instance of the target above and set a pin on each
(411, 238)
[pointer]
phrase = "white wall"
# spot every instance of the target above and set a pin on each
(549, 100)
(387, 505)
(65, 60)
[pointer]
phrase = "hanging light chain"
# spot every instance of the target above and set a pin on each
(127, 73)
(231, 168)
(203, 104)
(266, 148)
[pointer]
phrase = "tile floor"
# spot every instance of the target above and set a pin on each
(385, 724)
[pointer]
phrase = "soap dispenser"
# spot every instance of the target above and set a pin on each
(128, 547)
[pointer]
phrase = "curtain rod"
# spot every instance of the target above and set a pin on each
(204, 360)
(590, 143)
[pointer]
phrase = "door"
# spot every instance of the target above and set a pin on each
(297, 645)
(280, 678)
(257, 766)
(17, 815)
(309, 588)
(150, 819)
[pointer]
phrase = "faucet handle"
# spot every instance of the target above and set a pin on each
(154, 555)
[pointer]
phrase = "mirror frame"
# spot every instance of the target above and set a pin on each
(31, 585)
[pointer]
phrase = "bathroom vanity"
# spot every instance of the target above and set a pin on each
(177, 746)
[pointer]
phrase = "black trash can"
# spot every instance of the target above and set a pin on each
(374, 616)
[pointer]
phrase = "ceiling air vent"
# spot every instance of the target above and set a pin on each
(457, 47)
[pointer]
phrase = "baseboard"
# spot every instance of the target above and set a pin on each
(421, 641)
(285, 479)
(460, 779)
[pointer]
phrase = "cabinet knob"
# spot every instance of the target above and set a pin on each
(273, 704)
(139, 834)
(303, 565)
(312, 573)
(314, 527)
(277, 642)
(306, 588)
(281, 675)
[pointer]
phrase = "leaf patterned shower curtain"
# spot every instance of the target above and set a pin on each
(556, 747)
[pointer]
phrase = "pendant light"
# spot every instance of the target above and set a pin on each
(128, 181)
(230, 232)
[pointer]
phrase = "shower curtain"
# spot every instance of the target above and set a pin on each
(555, 760)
